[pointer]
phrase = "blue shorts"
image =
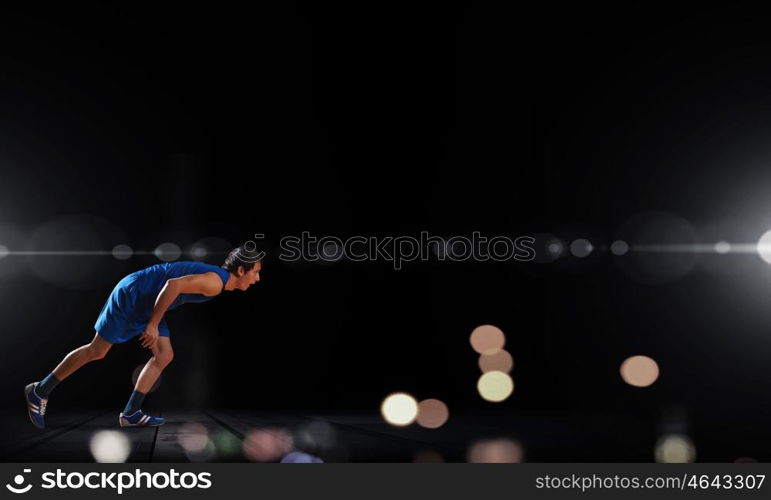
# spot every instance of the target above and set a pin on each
(119, 320)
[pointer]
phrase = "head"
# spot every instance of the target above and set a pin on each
(244, 266)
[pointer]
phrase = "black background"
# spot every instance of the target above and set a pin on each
(178, 124)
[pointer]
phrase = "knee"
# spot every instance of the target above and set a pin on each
(95, 353)
(163, 358)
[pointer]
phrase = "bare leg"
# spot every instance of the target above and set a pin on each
(162, 356)
(97, 349)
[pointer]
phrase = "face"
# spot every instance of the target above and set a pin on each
(248, 278)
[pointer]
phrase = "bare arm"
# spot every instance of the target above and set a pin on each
(208, 284)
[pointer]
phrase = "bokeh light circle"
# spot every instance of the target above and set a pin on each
(639, 371)
(581, 248)
(487, 339)
(495, 451)
(399, 409)
(495, 386)
(764, 246)
(619, 247)
(122, 252)
(110, 447)
(500, 361)
(722, 247)
(167, 252)
(266, 444)
(432, 413)
(675, 449)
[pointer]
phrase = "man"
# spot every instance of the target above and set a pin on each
(136, 307)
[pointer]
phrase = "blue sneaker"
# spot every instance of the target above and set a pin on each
(36, 406)
(139, 419)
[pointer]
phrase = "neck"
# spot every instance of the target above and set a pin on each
(231, 284)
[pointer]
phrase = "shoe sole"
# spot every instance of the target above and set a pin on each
(27, 390)
(136, 425)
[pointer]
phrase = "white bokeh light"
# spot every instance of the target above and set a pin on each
(399, 409)
(331, 251)
(722, 247)
(495, 386)
(122, 252)
(764, 247)
(110, 447)
(198, 252)
(619, 247)
(193, 436)
(675, 449)
(581, 248)
(168, 252)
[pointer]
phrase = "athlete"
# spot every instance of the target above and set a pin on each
(136, 307)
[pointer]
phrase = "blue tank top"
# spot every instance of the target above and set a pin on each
(138, 291)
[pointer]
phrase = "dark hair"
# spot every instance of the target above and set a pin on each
(242, 257)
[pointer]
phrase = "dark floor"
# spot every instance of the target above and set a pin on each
(334, 438)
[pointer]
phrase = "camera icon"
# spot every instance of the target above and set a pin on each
(19, 480)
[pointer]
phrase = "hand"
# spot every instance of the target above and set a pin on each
(150, 336)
